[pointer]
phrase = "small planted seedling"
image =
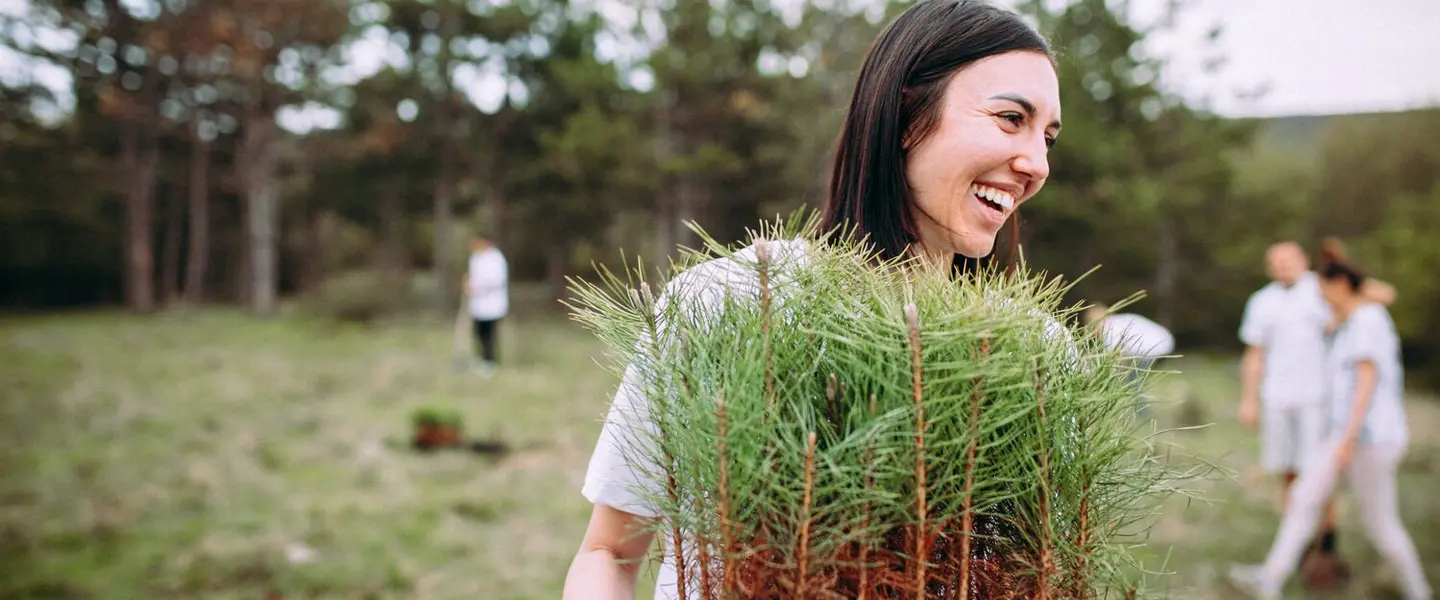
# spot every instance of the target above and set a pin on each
(430, 429)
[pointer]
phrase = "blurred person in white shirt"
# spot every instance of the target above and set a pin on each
(487, 292)
(1140, 340)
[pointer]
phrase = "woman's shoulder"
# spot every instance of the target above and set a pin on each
(738, 272)
(1372, 314)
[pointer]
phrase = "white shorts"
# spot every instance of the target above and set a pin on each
(1290, 436)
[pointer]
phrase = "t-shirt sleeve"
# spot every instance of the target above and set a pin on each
(625, 471)
(622, 469)
(1371, 337)
(1254, 325)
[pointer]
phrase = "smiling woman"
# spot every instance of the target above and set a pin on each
(987, 154)
(946, 135)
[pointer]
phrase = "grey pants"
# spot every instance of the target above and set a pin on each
(1371, 476)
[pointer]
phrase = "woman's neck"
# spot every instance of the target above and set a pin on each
(1345, 306)
(933, 256)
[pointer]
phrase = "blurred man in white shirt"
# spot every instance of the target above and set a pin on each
(486, 287)
(1282, 374)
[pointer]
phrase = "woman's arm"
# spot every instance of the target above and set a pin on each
(606, 566)
(1365, 377)
(1377, 291)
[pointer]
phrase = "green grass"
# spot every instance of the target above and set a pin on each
(180, 455)
(1195, 541)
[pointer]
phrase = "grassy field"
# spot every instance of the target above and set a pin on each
(214, 455)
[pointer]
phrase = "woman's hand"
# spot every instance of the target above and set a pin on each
(1343, 453)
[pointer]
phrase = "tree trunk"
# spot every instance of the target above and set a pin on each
(688, 194)
(258, 164)
(1167, 268)
(557, 264)
(664, 233)
(170, 250)
(665, 199)
(488, 167)
(316, 259)
(390, 223)
(497, 211)
(444, 226)
(196, 266)
(690, 204)
(450, 125)
(139, 157)
(444, 207)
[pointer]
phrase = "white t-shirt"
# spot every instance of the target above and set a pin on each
(1136, 336)
(622, 471)
(1289, 324)
(489, 278)
(1368, 334)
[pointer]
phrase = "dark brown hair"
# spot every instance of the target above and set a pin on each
(896, 104)
(1334, 265)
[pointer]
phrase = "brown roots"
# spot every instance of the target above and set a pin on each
(998, 570)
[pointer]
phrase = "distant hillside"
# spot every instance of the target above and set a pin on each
(1303, 133)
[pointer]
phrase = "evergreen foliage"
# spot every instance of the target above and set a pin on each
(818, 419)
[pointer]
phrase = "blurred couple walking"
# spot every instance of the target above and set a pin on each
(1323, 383)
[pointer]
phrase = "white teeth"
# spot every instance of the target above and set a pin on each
(1001, 198)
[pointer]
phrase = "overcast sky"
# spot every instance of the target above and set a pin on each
(1312, 56)
(1317, 56)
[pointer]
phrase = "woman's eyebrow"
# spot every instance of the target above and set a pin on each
(1024, 103)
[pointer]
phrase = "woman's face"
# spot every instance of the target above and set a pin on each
(1336, 291)
(987, 155)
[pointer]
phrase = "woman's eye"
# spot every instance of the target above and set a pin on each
(1049, 141)
(1014, 118)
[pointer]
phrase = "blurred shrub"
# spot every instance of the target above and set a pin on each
(363, 297)
(424, 289)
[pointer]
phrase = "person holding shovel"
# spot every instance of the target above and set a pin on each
(487, 297)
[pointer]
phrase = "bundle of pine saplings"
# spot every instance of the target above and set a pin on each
(821, 425)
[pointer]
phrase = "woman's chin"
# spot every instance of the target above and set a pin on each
(975, 248)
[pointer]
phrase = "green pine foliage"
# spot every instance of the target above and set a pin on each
(831, 417)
